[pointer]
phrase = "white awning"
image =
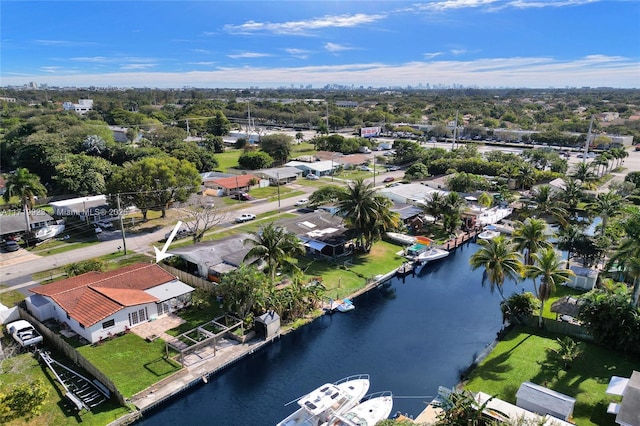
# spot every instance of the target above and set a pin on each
(169, 290)
(316, 245)
(617, 385)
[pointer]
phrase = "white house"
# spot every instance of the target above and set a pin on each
(318, 168)
(82, 107)
(411, 193)
(97, 305)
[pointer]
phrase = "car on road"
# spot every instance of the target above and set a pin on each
(393, 168)
(311, 176)
(365, 168)
(10, 245)
(245, 217)
(98, 230)
(302, 202)
(389, 179)
(104, 224)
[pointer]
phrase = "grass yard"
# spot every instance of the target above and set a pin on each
(561, 291)
(228, 159)
(341, 282)
(132, 363)
(522, 357)
(56, 410)
(196, 316)
(10, 298)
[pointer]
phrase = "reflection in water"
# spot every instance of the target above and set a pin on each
(410, 337)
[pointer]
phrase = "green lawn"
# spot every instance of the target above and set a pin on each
(196, 316)
(341, 282)
(228, 159)
(10, 298)
(522, 357)
(561, 291)
(25, 368)
(132, 363)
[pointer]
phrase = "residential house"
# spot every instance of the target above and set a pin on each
(321, 233)
(318, 168)
(411, 193)
(279, 175)
(96, 305)
(232, 184)
(82, 107)
(13, 222)
(212, 259)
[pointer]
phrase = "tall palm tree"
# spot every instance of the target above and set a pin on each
(547, 266)
(606, 205)
(572, 194)
(500, 261)
(434, 205)
(627, 254)
(276, 247)
(366, 212)
(549, 203)
(526, 176)
(452, 208)
(27, 187)
(584, 173)
(530, 237)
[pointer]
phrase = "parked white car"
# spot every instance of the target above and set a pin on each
(311, 176)
(302, 202)
(245, 217)
(104, 224)
(24, 333)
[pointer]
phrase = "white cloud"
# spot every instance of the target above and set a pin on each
(64, 43)
(248, 55)
(92, 59)
(494, 5)
(298, 53)
(204, 51)
(304, 26)
(137, 66)
(432, 55)
(458, 51)
(334, 47)
(201, 63)
(536, 72)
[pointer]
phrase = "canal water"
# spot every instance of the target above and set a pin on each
(410, 335)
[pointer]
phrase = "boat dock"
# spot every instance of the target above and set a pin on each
(456, 242)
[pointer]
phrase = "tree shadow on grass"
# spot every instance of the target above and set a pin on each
(493, 369)
(161, 367)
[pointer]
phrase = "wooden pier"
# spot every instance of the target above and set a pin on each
(454, 243)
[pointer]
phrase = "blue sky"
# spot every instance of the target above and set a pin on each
(481, 43)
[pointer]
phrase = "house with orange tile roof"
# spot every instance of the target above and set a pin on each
(229, 185)
(97, 305)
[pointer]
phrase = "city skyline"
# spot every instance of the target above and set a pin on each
(468, 43)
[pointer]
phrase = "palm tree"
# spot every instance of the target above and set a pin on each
(27, 187)
(485, 200)
(567, 239)
(276, 246)
(627, 254)
(572, 194)
(606, 205)
(366, 212)
(526, 176)
(547, 266)
(434, 205)
(549, 204)
(452, 208)
(530, 237)
(500, 261)
(584, 173)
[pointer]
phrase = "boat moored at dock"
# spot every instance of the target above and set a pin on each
(327, 401)
(431, 254)
(372, 409)
(401, 238)
(489, 233)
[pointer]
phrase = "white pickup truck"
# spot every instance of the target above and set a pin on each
(24, 333)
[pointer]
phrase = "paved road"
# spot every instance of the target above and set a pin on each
(18, 275)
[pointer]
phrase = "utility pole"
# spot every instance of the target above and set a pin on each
(455, 130)
(587, 142)
(124, 240)
(278, 183)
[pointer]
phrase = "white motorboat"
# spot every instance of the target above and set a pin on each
(401, 238)
(346, 306)
(504, 228)
(431, 254)
(48, 232)
(489, 233)
(372, 409)
(330, 399)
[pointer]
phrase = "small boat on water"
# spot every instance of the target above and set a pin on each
(401, 238)
(504, 228)
(431, 254)
(489, 233)
(330, 399)
(372, 409)
(346, 306)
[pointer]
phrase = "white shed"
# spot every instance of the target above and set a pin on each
(585, 278)
(543, 401)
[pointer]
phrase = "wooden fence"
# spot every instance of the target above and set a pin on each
(190, 279)
(559, 327)
(71, 353)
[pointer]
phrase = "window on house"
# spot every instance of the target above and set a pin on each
(108, 324)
